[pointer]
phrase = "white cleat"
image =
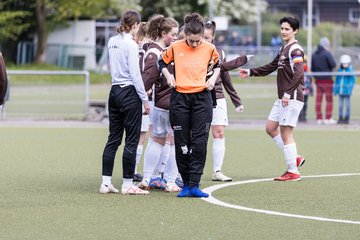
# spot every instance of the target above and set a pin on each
(219, 176)
(330, 121)
(144, 184)
(108, 188)
(133, 190)
(172, 187)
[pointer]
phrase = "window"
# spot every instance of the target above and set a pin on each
(354, 15)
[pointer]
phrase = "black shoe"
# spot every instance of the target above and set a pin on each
(346, 120)
(137, 177)
(341, 120)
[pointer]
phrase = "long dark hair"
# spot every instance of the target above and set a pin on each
(194, 24)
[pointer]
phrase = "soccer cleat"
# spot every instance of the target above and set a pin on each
(319, 121)
(172, 187)
(300, 160)
(219, 176)
(108, 188)
(133, 190)
(137, 177)
(179, 182)
(185, 192)
(288, 176)
(144, 184)
(157, 183)
(197, 193)
(329, 121)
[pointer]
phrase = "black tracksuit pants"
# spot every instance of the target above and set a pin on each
(125, 112)
(190, 118)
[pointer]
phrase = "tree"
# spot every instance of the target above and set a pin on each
(241, 11)
(51, 13)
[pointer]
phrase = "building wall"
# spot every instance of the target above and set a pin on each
(73, 46)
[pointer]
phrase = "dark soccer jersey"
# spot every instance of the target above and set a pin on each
(153, 77)
(289, 64)
(225, 80)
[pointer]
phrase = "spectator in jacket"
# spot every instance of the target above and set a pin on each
(323, 61)
(3, 81)
(343, 87)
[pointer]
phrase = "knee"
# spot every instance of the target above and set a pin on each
(218, 133)
(271, 131)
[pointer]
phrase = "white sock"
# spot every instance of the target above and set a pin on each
(106, 180)
(127, 182)
(278, 141)
(218, 153)
(160, 167)
(139, 152)
(290, 154)
(171, 170)
(151, 158)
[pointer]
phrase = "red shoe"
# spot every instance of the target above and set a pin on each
(300, 160)
(288, 176)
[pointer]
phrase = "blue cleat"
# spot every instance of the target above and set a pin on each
(185, 192)
(157, 183)
(197, 193)
(179, 182)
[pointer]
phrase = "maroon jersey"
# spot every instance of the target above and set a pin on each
(225, 80)
(289, 63)
(152, 77)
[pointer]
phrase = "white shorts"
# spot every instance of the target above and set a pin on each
(286, 116)
(146, 119)
(161, 123)
(220, 116)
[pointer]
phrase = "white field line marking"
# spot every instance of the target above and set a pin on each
(213, 200)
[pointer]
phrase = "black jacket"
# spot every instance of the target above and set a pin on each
(322, 61)
(3, 79)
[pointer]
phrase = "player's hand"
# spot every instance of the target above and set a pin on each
(285, 101)
(149, 92)
(244, 73)
(210, 83)
(248, 57)
(171, 80)
(146, 108)
(240, 108)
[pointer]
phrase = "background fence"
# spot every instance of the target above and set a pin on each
(41, 95)
(68, 95)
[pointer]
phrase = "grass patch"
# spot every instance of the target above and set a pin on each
(49, 180)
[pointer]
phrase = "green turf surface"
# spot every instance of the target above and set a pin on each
(49, 180)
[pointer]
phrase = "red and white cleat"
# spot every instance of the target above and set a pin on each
(133, 190)
(288, 176)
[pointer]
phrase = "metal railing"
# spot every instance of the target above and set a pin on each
(36, 72)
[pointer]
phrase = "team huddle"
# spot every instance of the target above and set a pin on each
(174, 97)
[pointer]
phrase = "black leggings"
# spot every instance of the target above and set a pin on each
(190, 118)
(125, 112)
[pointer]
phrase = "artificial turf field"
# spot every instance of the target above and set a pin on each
(50, 176)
